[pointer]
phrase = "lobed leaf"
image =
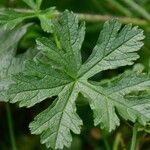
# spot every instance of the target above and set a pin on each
(58, 71)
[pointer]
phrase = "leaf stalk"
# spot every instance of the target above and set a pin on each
(134, 136)
(99, 18)
(10, 127)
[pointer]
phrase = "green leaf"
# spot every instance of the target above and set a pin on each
(58, 71)
(115, 47)
(106, 99)
(34, 4)
(38, 3)
(39, 82)
(10, 18)
(141, 106)
(10, 63)
(71, 36)
(55, 124)
(46, 19)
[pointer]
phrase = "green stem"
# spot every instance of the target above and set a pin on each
(10, 127)
(106, 144)
(134, 135)
(104, 136)
(57, 41)
(120, 7)
(117, 141)
(138, 9)
(98, 17)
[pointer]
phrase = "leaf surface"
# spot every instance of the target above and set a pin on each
(10, 18)
(58, 71)
(10, 63)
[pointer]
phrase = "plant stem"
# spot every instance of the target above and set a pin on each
(10, 126)
(138, 9)
(117, 141)
(104, 136)
(57, 41)
(106, 144)
(98, 17)
(134, 135)
(120, 7)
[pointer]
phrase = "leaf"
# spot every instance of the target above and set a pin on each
(71, 36)
(56, 125)
(114, 48)
(40, 82)
(106, 99)
(10, 18)
(10, 63)
(58, 71)
(34, 4)
(141, 105)
(38, 3)
(46, 19)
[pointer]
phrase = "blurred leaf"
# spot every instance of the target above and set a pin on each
(10, 18)
(34, 4)
(10, 63)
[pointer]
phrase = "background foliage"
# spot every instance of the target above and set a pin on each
(90, 138)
